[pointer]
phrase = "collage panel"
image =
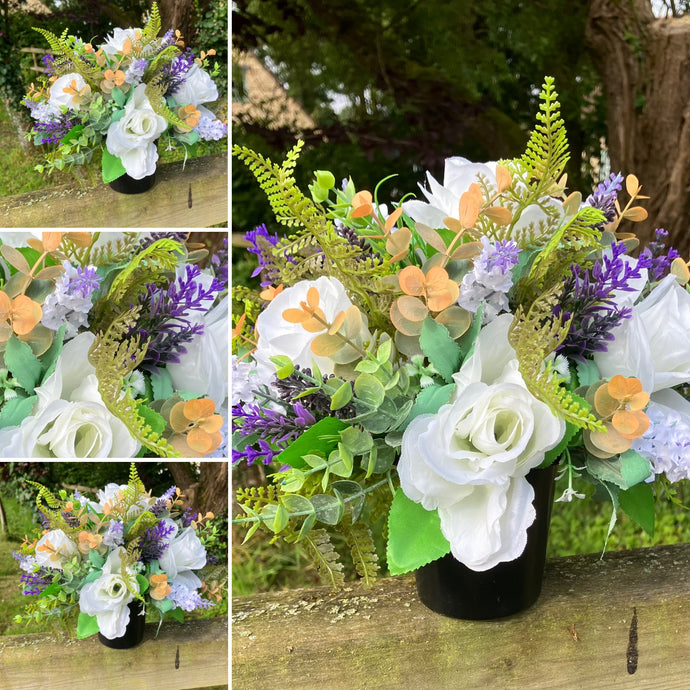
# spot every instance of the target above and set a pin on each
(123, 564)
(121, 105)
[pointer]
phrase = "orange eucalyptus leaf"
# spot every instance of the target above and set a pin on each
(199, 408)
(338, 321)
(295, 315)
(499, 215)
(313, 298)
(212, 423)
(51, 240)
(199, 440)
(326, 345)
(635, 214)
(398, 243)
(412, 308)
(469, 209)
(412, 280)
(403, 325)
(178, 421)
(431, 237)
(392, 219)
(503, 178)
(632, 185)
(25, 314)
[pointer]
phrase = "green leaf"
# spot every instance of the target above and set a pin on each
(284, 366)
(161, 384)
(143, 583)
(638, 503)
(369, 390)
(353, 491)
(86, 626)
(342, 396)
(625, 472)
(74, 133)
(112, 167)
(322, 436)
(96, 559)
(50, 357)
(152, 418)
(15, 411)
(22, 363)
(176, 614)
(430, 400)
(414, 535)
(329, 509)
(466, 343)
(443, 352)
(119, 97)
(555, 453)
(587, 372)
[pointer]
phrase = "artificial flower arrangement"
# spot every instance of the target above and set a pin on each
(406, 366)
(120, 98)
(99, 558)
(112, 345)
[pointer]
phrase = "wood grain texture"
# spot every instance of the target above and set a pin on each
(196, 197)
(579, 634)
(184, 655)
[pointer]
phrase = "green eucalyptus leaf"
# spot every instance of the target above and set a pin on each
(22, 364)
(284, 366)
(369, 390)
(328, 508)
(342, 396)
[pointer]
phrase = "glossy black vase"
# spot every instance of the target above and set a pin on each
(134, 632)
(128, 185)
(448, 587)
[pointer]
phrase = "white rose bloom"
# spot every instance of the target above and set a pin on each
(459, 173)
(69, 419)
(654, 343)
(113, 44)
(107, 597)
(280, 337)
(54, 549)
(198, 87)
(184, 554)
(58, 96)
(132, 137)
(470, 459)
(203, 369)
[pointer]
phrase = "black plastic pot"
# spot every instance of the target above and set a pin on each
(448, 587)
(128, 185)
(134, 632)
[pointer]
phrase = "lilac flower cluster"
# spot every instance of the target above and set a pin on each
(154, 541)
(262, 243)
(161, 503)
(165, 315)
(605, 195)
(490, 279)
(114, 535)
(71, 301)
(278, 428)
(587, 297)
(656, 253)
(187, 599)
(211, 128)
(48, 62)
(33, 580)
(665, 444)
(187, 517)
(135, 72)
(50, 129)
(219, 263)
(173, 75)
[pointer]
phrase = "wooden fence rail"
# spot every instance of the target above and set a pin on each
(620, 622)
(193, 195)
(34, 52)
(193, 654)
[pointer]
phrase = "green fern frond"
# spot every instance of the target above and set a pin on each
(128, 559)
(154, 92)
(547, 148)
(294, 256)
(534, 335)
(572, 243)
(148, 266)
(67, 59)
(256, 497)
(153, 25)
(362, 549)
(325, 558)
(51, 507)
(114, 358)
(113, 252)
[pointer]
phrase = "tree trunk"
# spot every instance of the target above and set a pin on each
(208, 492)
(180, 15)
(644, 65)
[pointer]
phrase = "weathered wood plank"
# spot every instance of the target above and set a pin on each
(577, 635)
(196, 197)
(193, 654)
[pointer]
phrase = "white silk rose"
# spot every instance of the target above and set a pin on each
(54, 549)
(60, 97)
(459, 173)
(115, 42)
(184, 553)
(198, 87)
(107, 597)
(470, 459)
(280, 337)
(132, 137)
(653, 344)
(69, 419)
